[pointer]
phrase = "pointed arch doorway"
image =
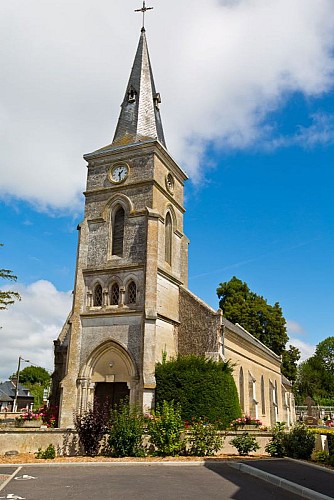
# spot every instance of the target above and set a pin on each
(109, 376)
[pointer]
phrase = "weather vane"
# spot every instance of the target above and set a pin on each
(143, 10)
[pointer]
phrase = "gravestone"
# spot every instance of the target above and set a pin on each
(310, 418)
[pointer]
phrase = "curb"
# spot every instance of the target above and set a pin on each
(282, 483)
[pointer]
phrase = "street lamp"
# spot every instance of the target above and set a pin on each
(17, 381)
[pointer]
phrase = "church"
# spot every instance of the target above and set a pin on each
(131, 302)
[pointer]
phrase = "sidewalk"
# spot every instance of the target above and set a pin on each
(296, 476)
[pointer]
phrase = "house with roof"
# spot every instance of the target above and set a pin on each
(7, 396)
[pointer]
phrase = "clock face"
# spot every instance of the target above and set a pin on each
(119, 173)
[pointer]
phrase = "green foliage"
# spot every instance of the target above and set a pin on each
(203, 439)
(203, 388)
(91, 427)
(289, 362)
(299, 442)
(245, 443)
(265, 322)
(165, 426)
(7, 297)
(275, 447)
(321, 456)
(315, 376)
(126, 431)
(48, 454)
(34, 375)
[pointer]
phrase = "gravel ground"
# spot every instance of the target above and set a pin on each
(29, 458)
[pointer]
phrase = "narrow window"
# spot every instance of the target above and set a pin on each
(168, 239)
(132, 293)
(114, 294)
(263, 402)
(118, 232)
(241, 389)
(98, 296)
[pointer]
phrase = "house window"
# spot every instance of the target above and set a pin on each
(114, 294)
(241, 389)
(118, 232)
(132, 293)
(98, 296)
(263, 402)
(168, 239)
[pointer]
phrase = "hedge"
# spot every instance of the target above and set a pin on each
(203, 387)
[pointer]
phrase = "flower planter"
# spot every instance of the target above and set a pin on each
(36, 424)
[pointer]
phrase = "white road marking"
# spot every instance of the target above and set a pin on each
(10, 478)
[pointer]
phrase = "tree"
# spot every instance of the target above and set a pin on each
(262, 320)
(315, 376)
(7, 297)
(325, 354)
(290, 358)
(34, 375)
(36, 379)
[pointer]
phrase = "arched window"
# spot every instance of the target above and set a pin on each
(263, 401)
(114, 299)
(132, 293)
(118, 232)
(241, 389)
(168, 238)
(98, 297)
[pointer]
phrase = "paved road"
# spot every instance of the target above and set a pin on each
(140, 482)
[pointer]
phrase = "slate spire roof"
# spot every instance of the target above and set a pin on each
(140, 119)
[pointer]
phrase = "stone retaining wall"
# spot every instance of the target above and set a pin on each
(66, 442)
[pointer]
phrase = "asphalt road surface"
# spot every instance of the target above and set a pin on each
(137, 482)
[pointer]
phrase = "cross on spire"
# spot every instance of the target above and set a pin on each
(144, 9)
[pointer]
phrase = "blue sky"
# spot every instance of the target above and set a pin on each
(257, 141)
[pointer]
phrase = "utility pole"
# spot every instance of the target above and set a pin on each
(17, 381)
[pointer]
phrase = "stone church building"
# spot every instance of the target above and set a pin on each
(131, 301)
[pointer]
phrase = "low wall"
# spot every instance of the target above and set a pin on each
(66, 442)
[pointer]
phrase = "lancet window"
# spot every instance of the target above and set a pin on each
(132, 293)
(118, 232)
(114, 298)
(168, 238)
(98, 296)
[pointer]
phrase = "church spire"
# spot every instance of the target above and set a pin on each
(140, 119)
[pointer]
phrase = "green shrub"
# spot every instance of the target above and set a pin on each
(91, 427)
(126, 431)
(299, 442)
(48, 454)
(203, 439)
(165, 426)
(275, 447)
(245, 443)
(204, 388)
(321, 456)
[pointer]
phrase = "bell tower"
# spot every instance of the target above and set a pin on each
(132, 260)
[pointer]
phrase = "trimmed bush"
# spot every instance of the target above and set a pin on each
(275, 447)
(204, 388)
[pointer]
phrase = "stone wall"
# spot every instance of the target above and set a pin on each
(200, 326)
(66, 442)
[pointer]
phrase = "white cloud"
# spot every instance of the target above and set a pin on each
(306, 350)
(220, 68)
(30, 326)
(294, 328)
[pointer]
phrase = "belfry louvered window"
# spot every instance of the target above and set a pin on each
(98, 296)
(168, 238)
(118, 232)
(132, 293)
(114, 299)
